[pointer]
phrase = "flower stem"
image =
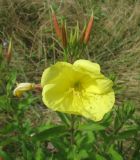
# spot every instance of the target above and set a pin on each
(72, 129)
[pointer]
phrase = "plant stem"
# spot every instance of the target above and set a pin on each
(72, 129)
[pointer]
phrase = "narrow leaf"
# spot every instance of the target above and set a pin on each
(114, 154)
(91, 127)
(47, 134)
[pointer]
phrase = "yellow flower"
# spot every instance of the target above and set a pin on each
(23, 87)
(77, 88)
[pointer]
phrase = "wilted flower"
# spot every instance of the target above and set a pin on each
(77, 89)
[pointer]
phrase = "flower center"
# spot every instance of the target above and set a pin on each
(77, 86)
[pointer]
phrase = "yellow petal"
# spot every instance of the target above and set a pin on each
(98, 86)
(44, 77)
(87, 66)
(58, 94)
(99, 105)
(51, 74)
(63, 100)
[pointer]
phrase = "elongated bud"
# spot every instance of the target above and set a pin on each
(56, 26)
(64, 36)
(88, 29)
(8, 54)
(23, 87)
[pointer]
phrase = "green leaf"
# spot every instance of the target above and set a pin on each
(9, 128)
(61, 144)
(73, 154)
(83, 153)
(4, 103)
(39, 154)
(11, 81)
(25, 103)
(99, 157)
(114, 154)
(107, 120)
(117, 122)
(91, 127)
(128, 108)
(4, 155)
(128, 133)
(85, 140)
(8, 141)
(64, 118)
(53, 132)
(27, 152)
(44, 127)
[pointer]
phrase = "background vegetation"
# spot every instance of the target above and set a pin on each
(28, 130)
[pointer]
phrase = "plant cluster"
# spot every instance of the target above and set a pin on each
(71, 137)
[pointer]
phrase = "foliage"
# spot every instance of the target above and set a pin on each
(73, 138)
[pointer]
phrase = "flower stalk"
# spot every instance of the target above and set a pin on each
(72, 129)
(38, 87)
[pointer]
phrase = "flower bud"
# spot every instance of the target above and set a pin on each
(56, 26)
(23, 87)
(88, 29)
(64, 36)
(9, 52)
